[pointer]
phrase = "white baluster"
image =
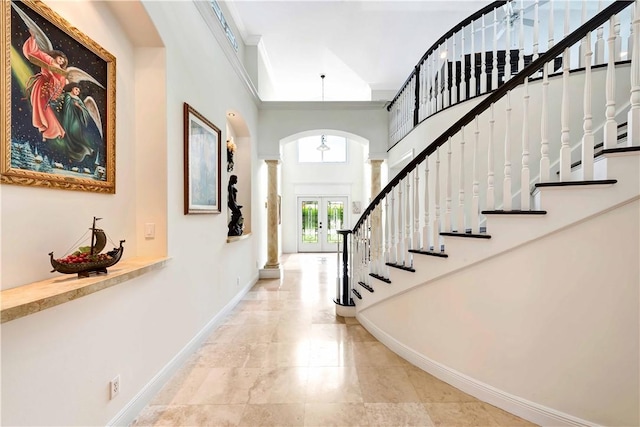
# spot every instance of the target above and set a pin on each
(446, 95)
(544, 128)
(507, 49)
(443, 53)
(536, 30)
(583, 48)
(461, 226)
(393, 253)
(472, 78)
(429, 88)
(521, 38)
(448, 220)
(454, 74)
(401, 219)
(618, 43)
(425, 230)
(524, 172)
(463, 69)
(631, 37)
(491, 197)
(610, 126)
(599, 46)
(633, 117)
(437, 101)
(565, 149)
(567, 11)
(436, 222)
(550, 43)
(483, 61)
(475, 193)
(506, 192)
(408, 261)
(416, 211)
(587, 138)
(494, 55)
(387, 226)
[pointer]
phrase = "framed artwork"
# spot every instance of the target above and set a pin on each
(58, 114)
(202, 148)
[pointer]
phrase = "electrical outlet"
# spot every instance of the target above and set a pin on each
(114, 387)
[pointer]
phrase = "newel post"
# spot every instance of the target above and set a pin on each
(344, 304)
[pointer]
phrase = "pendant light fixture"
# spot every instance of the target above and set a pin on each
(323, 139)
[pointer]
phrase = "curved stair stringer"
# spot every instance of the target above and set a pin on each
(531, 329)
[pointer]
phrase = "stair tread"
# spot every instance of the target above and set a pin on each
(514, 212)
(382, 278)
(401, 267)
(367, 287)
(431, 253)
(466, 234)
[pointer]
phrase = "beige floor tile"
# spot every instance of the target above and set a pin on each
(356, 332)
(504, 418)
(388, 385)
(327, 315)
(328, 354)
(431, 389)
(273, 415)
(223, 386)
(397, 414)
(191, 415)
(459, 414)
(283, 357)
(335, 415)
(333, 385)
(375, 353)
(280, 385)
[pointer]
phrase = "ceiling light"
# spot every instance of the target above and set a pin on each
(323, 146)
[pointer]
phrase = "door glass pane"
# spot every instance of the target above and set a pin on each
(310, 222)
(335, 215)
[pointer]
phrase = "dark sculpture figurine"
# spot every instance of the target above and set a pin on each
(237, 222)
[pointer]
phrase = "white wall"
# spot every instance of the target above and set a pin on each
(555, 321)
(351, 179)
(56, 364)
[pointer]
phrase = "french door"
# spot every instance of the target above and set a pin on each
(319, 219)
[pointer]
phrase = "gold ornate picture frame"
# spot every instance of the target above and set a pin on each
(58, 109)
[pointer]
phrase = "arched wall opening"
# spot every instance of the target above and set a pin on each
(236, 160)
(351, 180)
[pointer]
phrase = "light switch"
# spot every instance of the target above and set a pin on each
(150, 230)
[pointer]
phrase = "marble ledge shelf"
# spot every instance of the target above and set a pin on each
(236, 238)
(34, 297)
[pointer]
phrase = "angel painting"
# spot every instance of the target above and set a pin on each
(72, 126)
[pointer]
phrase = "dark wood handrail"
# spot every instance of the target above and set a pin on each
(446, 36)
(517, 80)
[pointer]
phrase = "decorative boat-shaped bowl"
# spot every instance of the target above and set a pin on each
(88, 259)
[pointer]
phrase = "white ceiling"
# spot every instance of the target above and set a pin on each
(360, 45)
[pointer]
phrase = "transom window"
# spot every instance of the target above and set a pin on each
(334, 149)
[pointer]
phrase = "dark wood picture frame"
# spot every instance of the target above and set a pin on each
(58, 111)
(202, 176)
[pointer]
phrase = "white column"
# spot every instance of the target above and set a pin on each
(273, 261)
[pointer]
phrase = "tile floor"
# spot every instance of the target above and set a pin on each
(283, 358)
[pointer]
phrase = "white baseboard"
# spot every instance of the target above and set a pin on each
(132, 409)
(523, 408)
